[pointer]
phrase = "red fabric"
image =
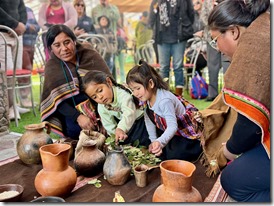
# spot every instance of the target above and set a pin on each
(18, 72)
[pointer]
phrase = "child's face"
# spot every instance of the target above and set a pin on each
(101, 93)
(139, 91)
(103, 21)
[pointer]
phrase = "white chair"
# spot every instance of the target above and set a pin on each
(99, 42)
(190, 67)
(40, 59)
(14, 75)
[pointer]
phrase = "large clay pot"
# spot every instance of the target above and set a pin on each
(116, 167)
(56, 178)
(90, 160)
(33, 138)
(176, 184)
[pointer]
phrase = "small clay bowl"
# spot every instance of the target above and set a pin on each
(12, 187)
(48, 199)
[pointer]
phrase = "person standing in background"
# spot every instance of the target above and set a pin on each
(215, 60)
(172, 27)
(109, 10)
(13, 15)
(104, 29)
(113, 14)
(142, 32)
(29, 39)
(198, 24)
(56, 12)
(85, 23)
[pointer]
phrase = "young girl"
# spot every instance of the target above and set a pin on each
(119, 113)
(172, 129)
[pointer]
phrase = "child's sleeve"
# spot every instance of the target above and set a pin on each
(107, 119)
(169, 114)
(151, 128)
(129, 112)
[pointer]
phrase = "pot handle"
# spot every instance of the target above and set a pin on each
(47, 126)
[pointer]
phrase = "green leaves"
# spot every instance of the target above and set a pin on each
(135, 153)
(137, 156)
(95, 182)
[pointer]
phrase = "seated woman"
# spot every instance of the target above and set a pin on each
(62, 90)
(85, 23)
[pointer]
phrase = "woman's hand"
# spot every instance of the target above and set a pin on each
(85, 122)
(155, 148)
(120, 135)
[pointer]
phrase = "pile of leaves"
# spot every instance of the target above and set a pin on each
(136, 154)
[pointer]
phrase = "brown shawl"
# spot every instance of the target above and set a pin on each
(56, 88)
(249, 92)
(246, 90)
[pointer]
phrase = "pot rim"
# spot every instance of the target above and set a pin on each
(66, 147)
(177, 162)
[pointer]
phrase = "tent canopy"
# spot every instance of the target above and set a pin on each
(132, 5)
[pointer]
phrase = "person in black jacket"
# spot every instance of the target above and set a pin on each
(172, 26)
(13, 15)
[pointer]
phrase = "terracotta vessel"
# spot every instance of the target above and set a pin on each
(56, 178)
(176, 184)
(29, 143)
(90, 160)
(72, 143)
(116, 167)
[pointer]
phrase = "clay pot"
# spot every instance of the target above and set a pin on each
(29, 143)
(56, 178)
(72, 143)
(116, 168)
(90, 160)
(90, 135)
(176, 183)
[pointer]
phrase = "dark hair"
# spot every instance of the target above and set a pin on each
(55, 30)
(99, 18)
(100, 77)
(236, 12)
(142, 73)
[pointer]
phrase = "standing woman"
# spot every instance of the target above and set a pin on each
(241, 30)
(85, 23)
(62, 91)
(56, 12)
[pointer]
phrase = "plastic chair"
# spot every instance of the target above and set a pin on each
(190, 67)
(14, 75)
(98, 41)
(40, 59)
(149, 54)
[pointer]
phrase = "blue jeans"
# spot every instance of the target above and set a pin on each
(176, 51)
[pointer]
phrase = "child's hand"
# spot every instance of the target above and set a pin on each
(155, 148)
(198, 117)
(120, 135)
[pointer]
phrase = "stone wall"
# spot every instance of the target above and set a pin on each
(4, 108)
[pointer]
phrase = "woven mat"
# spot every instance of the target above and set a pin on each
(217, 194)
